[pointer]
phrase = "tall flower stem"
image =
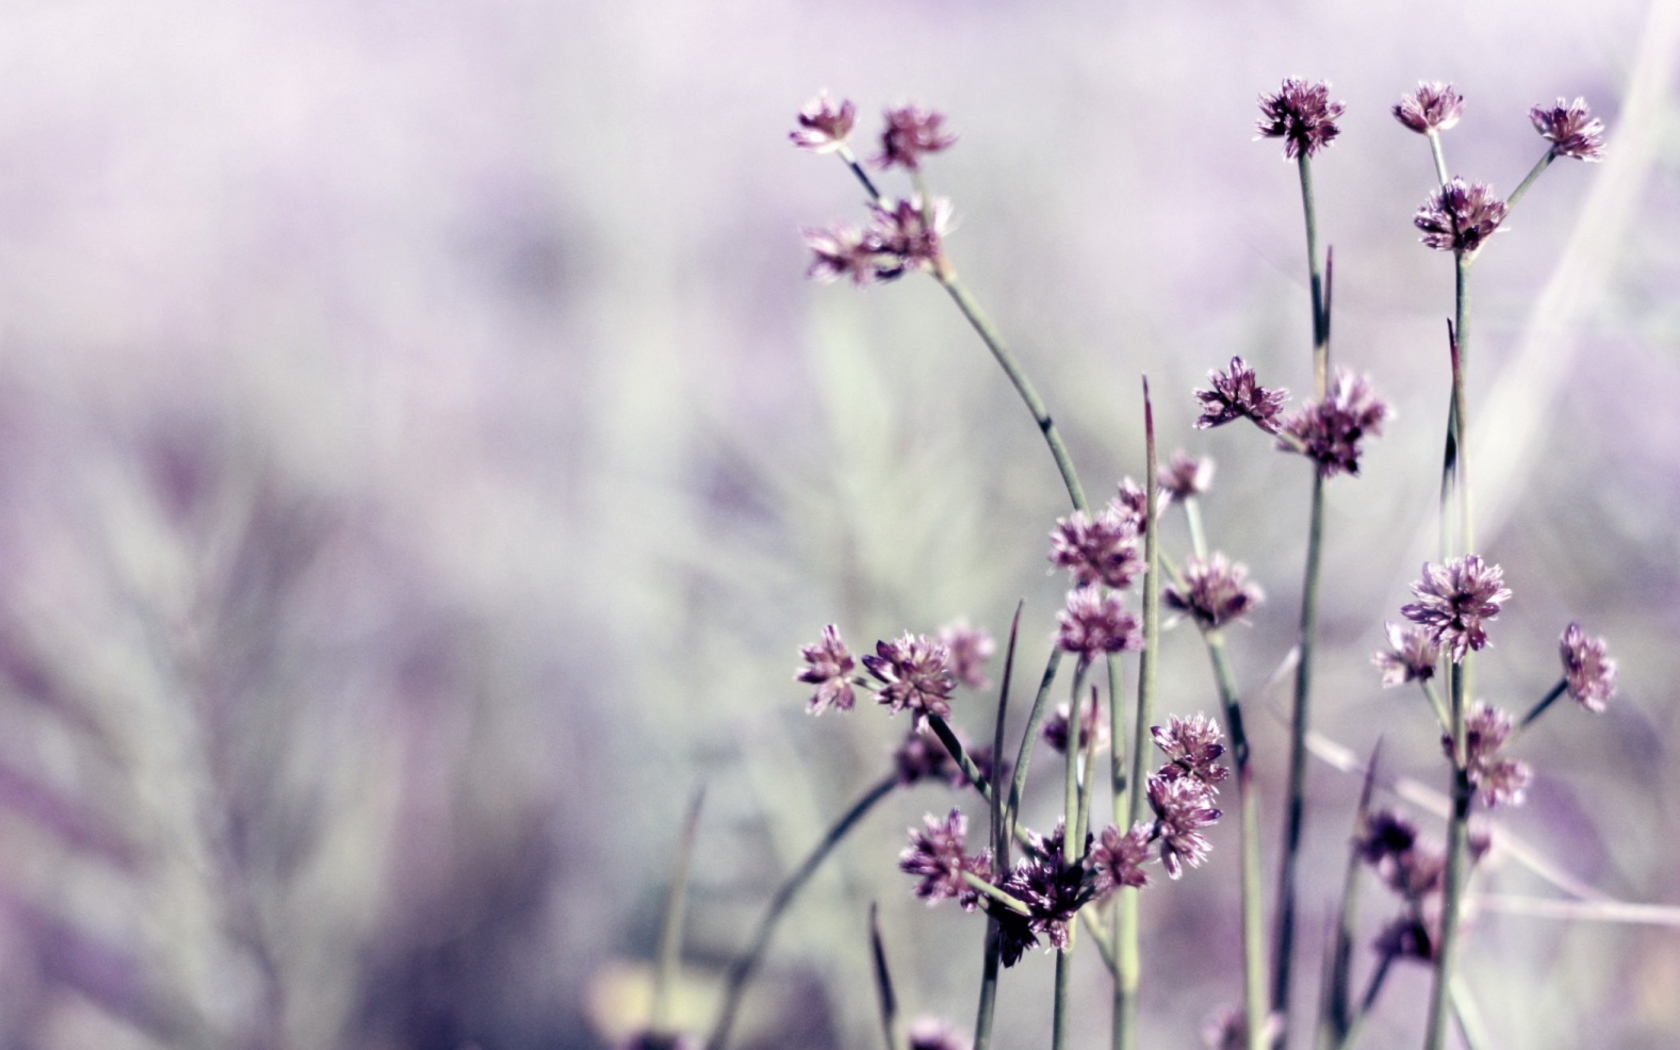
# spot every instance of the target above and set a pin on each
(1000, 847)
(1460, 349)
(1071, 851)
(1035, 724)
(1546, 701)
(1127, 809)
(1256, 1009)
(741, 970)
(1315, 275)
(1440, 998)
(1528, 180)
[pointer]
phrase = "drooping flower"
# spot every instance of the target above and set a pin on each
(1434, 106)
(1092, 725)
(1117, 858)
(915, 674)
(937, 854)
(822, 127)
(910, 133)
(1503, 781)
(1571, 129)
(1330, 431)
(1460, 216)
(1100, 549)
(1094, 623)
(1237, 394)
(1589, 672)
(829, 666)
(1215, 591)
(1455, 601)
(841, 251)
(1302, 115)
(970, 648)
(1183, 806)
(933, 1033)
(1186, 477)
(1411, 655)
(1193, 747)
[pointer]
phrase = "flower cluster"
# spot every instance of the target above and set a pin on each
(1329, 431)
(1571, 129)
(1302, 115)
(1389, 843)
(1434, 106)
(1093, 728)
(970, 648)
(1237, 394)
(1100, 549)
(1193, 747)
(903, 235)
(915, 675)
(1503, 781)
(937, 854)
(1185, 477)
(912, 132)
(1411, 656)
(1588, 672)
(1094, 623)
(1214, 592)
(823, 128)
(829, 667)
(1455, 601)
(1460, 216)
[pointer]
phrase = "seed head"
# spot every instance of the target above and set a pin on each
(905, 236)
(1434, 106)
(1131, 504)
(915, 674)
(1215, 591)
(1095, 623)
(1330, 431)
(1588, 670)
(1101, 549)
(911, 132)
(1237, 394)
(1411, 655)
(1455, 601)
(1051, 887)
(1459, 217)
(1186, 478)
(1302, 115)
(841, 251)
(828, 666)
(1571, 129)
(823, 128)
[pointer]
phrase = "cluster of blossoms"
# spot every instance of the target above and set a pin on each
(1454, 602)
(1185, 477)
(1101, 556)
(1389, 843)
(1094, 732)
(1302, 115)
(1502, 781)
(911, 673)
(1215, 591)
(1589, 674)
(1328, 432)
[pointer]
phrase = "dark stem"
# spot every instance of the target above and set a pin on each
(947, 736)
(1540, 708)
(741, 970)
(883, 981)
(1320, 315)
(862, 176)
(1336, 1018)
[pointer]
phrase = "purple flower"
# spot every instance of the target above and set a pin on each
(1571, 129)
(937, 854)
(822, 128)
(840, 251)
(915, 674)
(1094, 623)
(1302, 115)
(1186, 478)
(910, 132)
(829, 666)
(1503, 781)
(1411, 655)
(1329, 431)
(1117, 858)
(1385, 836)
(1052, 888)
(1193, 747)
(1183, 806)
(1589, 672)
(1131, 504)
(1237, 394)
(1215, 591)
(1100, 549)
(1458, 217)
(1434, 106)
(1091, 724)
(932, 1033)
(906, 236)
(970, 648)
(923, 756)
(1455, 601)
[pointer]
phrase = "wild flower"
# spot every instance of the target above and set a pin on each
(1237, 394)
(915, 674)
(1588, 671)
(1092, 725)
(1215, 591)
(823, 128)
(1118, 857)
(1193, 747)
(1503, 781)
(1186, 477)
(829, 667)
(1456, 599)
(1131, 504)
(970, 648)
(1100, 549)
(905, 235)
(1183, 807)
(937, 854)
(1094, 623)
(1434, 106)
(912, 132)
(1302, 115)
(1460, 217)
(1571, 129)
(1329, 431)
(1411, 655)
(841, 251)
(1051, 887)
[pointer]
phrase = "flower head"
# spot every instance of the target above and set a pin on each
(914, 672)
(1183, 806)
(932, 1033)
(1131, 504)
(911, 132)
(906, 236)
(1589, 673)
(1094, 623)
(1193, 747)
(1434, 106)
(970, 648)
(1237, 394)
(1459, 217)
(1411, 655)
(1215, 591)
(1093, 728)
(1117, 858)
(1100, 549)
(828, 666)
(841, 251)
(1384, 836)
(1050, 886)
(937, 855)
(823, 128)
(1329, 431)
(1186, 478)
(1503, 780)
(1455, 601)
(1571, 129)
(1302, 115)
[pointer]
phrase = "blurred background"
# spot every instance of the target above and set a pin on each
(421, 458)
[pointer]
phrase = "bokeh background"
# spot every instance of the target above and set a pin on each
(421, 457)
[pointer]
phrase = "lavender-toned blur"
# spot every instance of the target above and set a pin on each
(422, 458)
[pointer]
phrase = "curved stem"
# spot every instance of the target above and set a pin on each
(1545, 702)
(741, 970)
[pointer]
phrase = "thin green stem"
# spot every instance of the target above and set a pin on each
(1320, 316)
(1440, 157)
(1198, 535)
(1442, 715)
(947, 736)
(1545, 702)
(676, 905)
(741, 970)
(1457, 856)
(1070, 776)
(987, 1007)
(1528, 180)
(1035, 724)
(1063, 1015)
(1335, 1017)
(1461, 418)
(1256, 1007)
(1023, 386)
(995, 893)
